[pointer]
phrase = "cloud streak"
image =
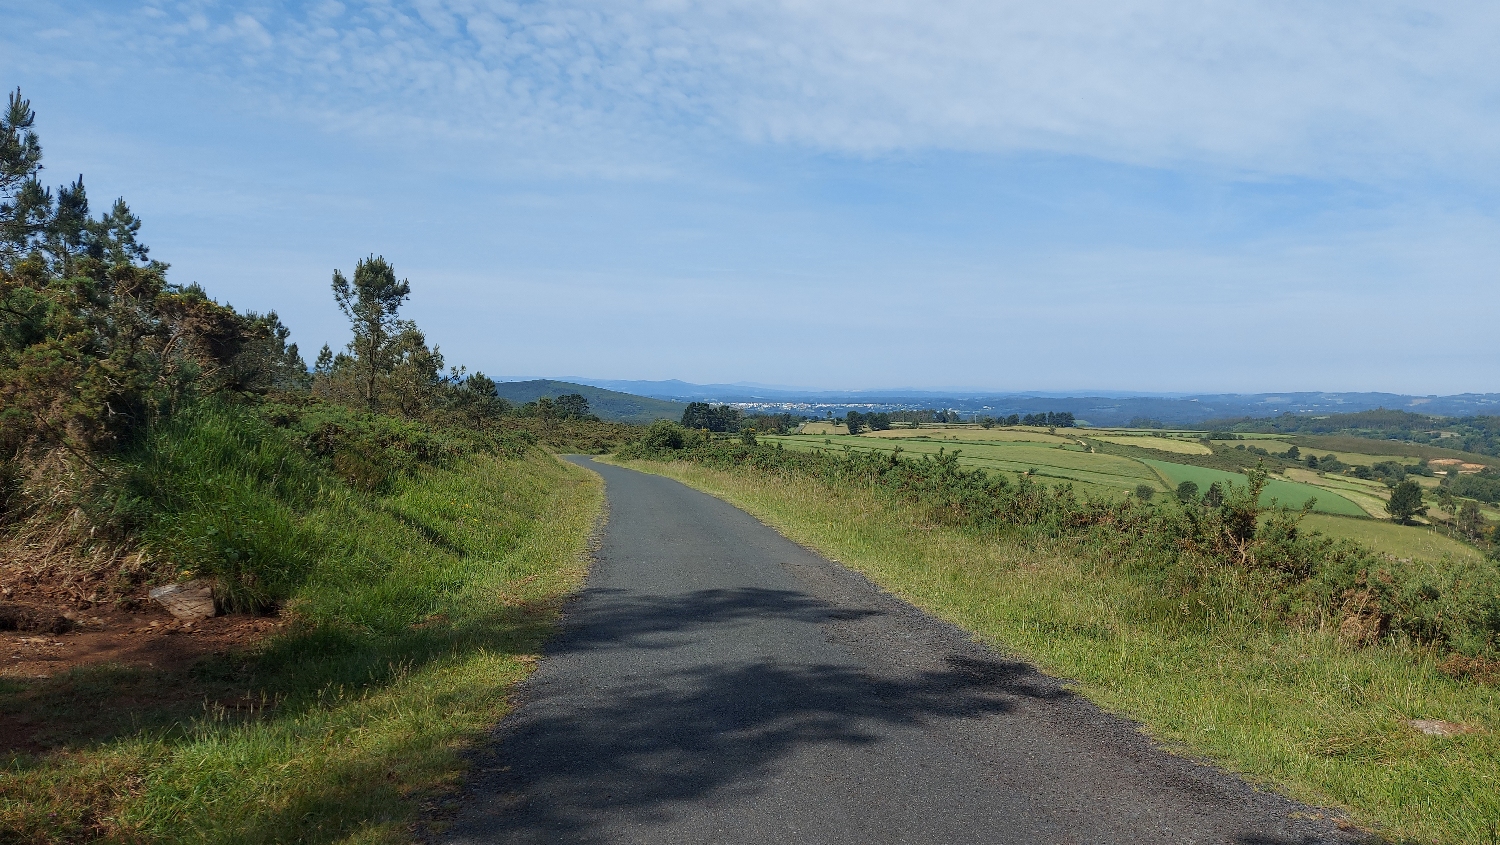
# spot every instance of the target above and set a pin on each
(1366, 91)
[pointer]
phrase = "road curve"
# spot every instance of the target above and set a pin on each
(716, 682)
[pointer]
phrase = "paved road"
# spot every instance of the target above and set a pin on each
(718, 683)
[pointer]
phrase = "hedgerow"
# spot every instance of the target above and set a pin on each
(1301, 575)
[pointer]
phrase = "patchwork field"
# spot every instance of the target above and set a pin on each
(1346, 507)
(1064, 461)
(1369, 495)
(975, 434)
(1366, 458)
(1288, 493)
(1364, 450)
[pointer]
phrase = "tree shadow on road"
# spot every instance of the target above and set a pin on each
(574, 757)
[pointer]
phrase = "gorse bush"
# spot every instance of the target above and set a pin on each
(1300, 575)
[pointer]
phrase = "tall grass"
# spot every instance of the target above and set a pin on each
(1203, 660)
(415, 614)
(218, 492)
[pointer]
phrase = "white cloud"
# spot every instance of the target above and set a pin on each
(1364, 91)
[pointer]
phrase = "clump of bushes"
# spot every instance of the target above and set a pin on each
(1300, 574)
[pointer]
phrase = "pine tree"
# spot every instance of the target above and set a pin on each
(1405, 502)
(371, 303)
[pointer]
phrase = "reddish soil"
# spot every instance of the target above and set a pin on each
(145, 639)
(59, 631)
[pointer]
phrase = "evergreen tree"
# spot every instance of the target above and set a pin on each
(1215, 495)
(705, 416)
(25, 206)
(371, 303)
(1405, 502)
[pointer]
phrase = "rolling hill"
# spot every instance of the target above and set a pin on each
(607, 404)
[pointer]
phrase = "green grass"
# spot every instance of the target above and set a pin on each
(1206, 671)
(421, 611)
(1110, 472)
(1289, 493)
(1410, 541)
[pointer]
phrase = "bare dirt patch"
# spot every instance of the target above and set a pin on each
(148, 639)
(116, 672)
(85, 656)
(60, 612)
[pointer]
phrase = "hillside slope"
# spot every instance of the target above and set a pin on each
(607, 404)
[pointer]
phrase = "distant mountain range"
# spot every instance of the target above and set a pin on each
(1097, 408)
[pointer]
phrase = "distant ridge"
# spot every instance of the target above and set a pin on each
(606, 404)
(1097, 407)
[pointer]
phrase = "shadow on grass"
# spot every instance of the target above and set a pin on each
(285, 677)
(432, 535)
(301, 671)
(61, 724)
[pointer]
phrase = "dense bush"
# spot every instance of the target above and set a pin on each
(222, 490)
(1302, 573)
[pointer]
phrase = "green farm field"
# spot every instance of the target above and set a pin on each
(1161, 444)
(1289, 493)
(1366, 450)
(973, 434)
(1413, 541)
(1366, 458)
(1346, 507)
(1369, 495)
(1110, 473)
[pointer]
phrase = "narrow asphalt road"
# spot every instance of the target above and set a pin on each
(716, 682)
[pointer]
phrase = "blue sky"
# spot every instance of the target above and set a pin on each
(1153, 196)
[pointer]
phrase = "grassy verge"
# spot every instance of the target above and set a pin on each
(1286, 706)
(421, 611)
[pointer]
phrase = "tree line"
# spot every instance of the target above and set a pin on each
(1479, 434)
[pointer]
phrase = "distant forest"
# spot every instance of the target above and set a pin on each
(727, 418)
(1479, 434)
